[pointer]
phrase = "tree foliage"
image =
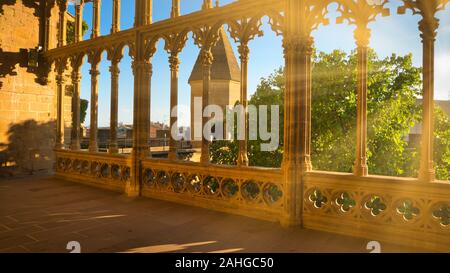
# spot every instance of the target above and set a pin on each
(83, 110)
(393, 87)
(70, 36)
(442, 144)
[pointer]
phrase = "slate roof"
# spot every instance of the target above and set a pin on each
(224, 66)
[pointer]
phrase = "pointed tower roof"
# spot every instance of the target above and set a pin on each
(224, 66)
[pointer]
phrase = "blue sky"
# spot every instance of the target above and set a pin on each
(394, 34)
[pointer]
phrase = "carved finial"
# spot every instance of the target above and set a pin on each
(217, 3)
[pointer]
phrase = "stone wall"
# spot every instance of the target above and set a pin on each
(27, 107)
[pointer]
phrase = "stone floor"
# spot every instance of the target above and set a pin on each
(42, 214)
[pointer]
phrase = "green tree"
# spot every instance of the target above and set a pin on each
(83, 110)
(270, 91)
(393, 87)
(70, 36)
(442, 144)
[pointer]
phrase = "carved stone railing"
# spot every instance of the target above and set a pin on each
(255, 192)
(235, 11)
(396, 210)
(100, 169)
(409, 211)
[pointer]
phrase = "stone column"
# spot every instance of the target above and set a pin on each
(244, 52)
(207, 60)
(142, 74)
(428, 27)
(148, 12)
(300, 21)
(62, 4)
(362, 35)
(292, 132)
(60, 106)
(175, 12)
(79, 22)
(96, 19)
(75, 133)
(303, 75)
(48, 22)
(94, 61)
(174, 67)
(139, 13)
(361, 13)
(114, 69)
(244, 31)
(115, 26)
(309, 44)
(207, 4)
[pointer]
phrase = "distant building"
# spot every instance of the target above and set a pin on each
(125, 134)
(155, 127)
(415, 134)
(225, 77)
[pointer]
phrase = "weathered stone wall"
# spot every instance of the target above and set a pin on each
(27, 107)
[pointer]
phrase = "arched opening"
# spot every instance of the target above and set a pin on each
(160, 102)
(333, 106)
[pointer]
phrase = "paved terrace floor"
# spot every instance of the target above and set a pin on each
(42, 214)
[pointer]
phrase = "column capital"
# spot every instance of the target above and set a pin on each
(142, 64)
(245, 30)
(175, 42)
(299, 44)
(60, 66)
(174, 62)
(361, 13)
(94, 72)
(206, 57)
(94, 57)
(244, 52)
(60, 79)
(76, 77)
(206, 37)
(362, 36)
(114, 69)
(62, 4)
(427, 9)
(428, 28)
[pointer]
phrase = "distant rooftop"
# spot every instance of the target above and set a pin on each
(444, 104)
(225, 65)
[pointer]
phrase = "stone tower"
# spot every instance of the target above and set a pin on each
(225, 77)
